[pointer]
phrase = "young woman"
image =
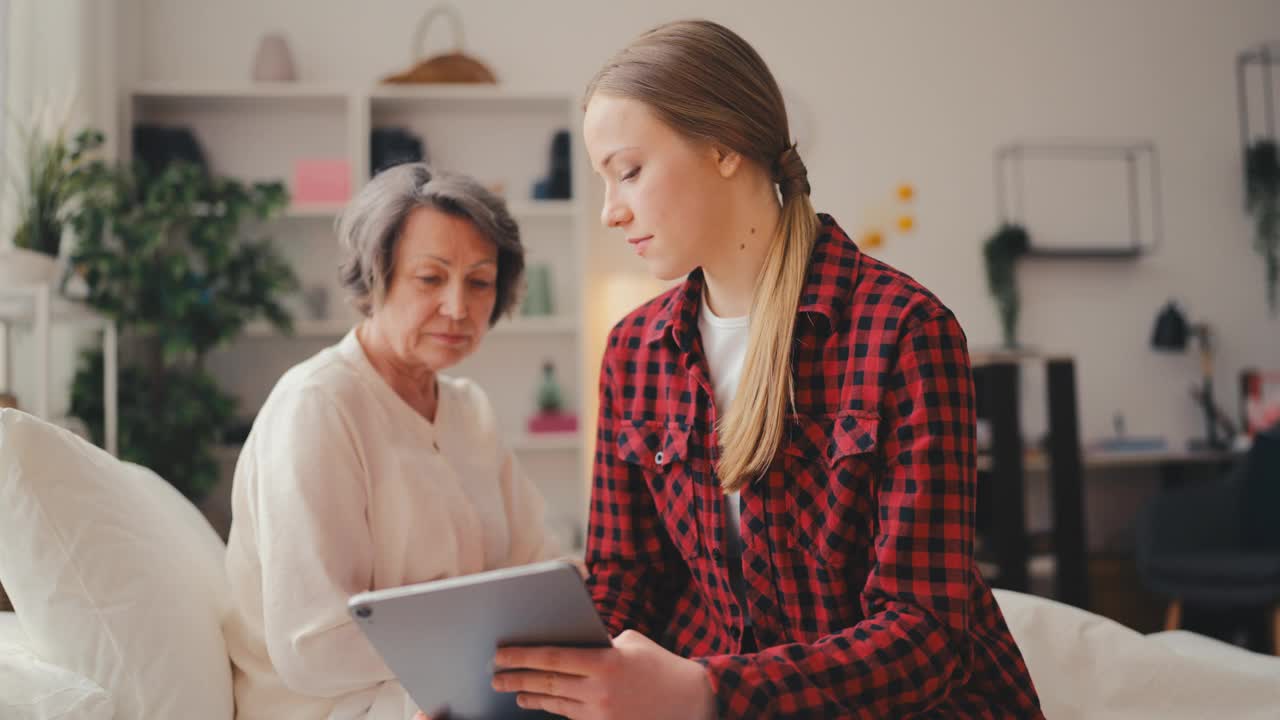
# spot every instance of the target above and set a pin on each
(782, 514)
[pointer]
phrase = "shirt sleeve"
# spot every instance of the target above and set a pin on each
(625, 555)
(911, 648)
(310, 517)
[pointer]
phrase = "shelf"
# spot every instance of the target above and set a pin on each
(980, 356)
(256, 91)
(1117, 180)
(566, 209)
(19, 305)
(478, 93)
(549, 325)
(378, 94)
(521, 210)
(302, 329)
(316, 211)
(1036, 461)
(305, 329)
(547, 442)
(526, 442)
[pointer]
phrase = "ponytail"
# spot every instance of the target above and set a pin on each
(751, 432)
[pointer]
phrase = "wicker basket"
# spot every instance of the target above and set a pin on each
(452, 67)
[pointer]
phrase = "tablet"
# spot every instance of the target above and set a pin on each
(439, 638)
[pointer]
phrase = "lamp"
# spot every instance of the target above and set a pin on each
(1173, 333)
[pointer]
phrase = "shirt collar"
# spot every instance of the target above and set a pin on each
(833, 269)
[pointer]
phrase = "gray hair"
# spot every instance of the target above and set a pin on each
(371, 224)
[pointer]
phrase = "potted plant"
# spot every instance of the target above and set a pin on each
(1001, 253)
(52, 174)
(1262, 193)
(166, 255)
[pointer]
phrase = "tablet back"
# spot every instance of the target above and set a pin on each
(439, 638)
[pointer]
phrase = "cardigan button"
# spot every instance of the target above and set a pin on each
(660, 458)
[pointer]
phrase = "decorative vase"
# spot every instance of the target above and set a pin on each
(273, 61)
(537, 297)
(19, 267)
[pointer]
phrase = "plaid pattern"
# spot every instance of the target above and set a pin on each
(857, 542)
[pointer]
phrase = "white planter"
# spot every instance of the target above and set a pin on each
(19, 267)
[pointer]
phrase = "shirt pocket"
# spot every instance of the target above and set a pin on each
(661, 452)
(831, 470)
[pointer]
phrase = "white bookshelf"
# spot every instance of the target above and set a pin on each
(500, 136)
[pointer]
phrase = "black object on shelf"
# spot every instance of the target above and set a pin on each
(558, 184)
(391, 146)
(157, 146)
(1139, 161)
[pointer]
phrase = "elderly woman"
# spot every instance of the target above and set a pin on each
(366, 467)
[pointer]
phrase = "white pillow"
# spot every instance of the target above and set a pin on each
(31, 689)
(113, 574)
(11, 631)
(1087, 666)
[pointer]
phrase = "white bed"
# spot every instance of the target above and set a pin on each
(119, 582)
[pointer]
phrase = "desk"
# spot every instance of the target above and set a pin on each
(1003, 468)
(1034, 460)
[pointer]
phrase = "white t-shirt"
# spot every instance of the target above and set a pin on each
(340, 488)
(724, 343)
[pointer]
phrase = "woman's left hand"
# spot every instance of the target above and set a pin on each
(636, 678)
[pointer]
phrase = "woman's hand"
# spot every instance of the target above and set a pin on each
(636, 678)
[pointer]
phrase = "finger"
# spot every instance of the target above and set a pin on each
(571, 687)
(554, 705)
(567, 661)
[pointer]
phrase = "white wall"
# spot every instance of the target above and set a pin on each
(915, 91)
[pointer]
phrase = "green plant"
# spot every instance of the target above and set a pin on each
(1262, 192)
(53, 173)
(1001, 253)
(166, 256)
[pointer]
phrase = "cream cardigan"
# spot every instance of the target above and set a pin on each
(342, 487)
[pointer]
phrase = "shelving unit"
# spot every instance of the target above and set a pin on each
(36, 308)
(500, 136)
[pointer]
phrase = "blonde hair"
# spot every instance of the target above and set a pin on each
(710, 85)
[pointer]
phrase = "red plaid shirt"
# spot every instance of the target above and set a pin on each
(858, 540)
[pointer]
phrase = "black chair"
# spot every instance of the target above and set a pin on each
(1217, 546)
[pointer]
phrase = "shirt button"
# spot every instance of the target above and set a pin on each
(660, 458)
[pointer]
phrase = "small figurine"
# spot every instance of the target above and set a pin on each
(551, 417)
